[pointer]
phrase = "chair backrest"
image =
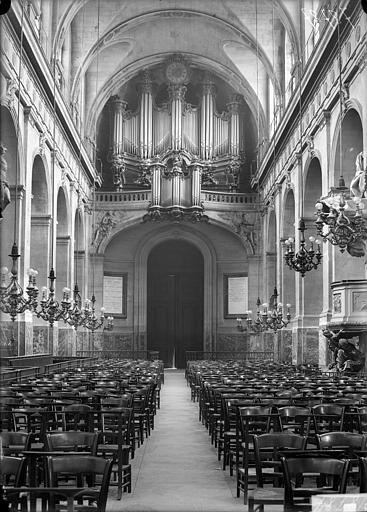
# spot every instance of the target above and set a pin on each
(253, 420)
(13, 470)
(347, 440)
(73, 441)
(15, 440)
(82, 466)
(78, 417)
(298, 471)
(327, 418)
(268, 446)
(115, 425)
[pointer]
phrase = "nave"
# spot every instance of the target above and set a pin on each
(177, 469)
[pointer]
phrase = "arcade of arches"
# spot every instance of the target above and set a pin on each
(156, 156)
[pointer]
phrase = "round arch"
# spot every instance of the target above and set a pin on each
(40, 220)
(204, 245)
(62, 212)
(271, 255)
(313, 284)
(288, 291)
(40, 189)
(350, 128)
(63, 240)
(9, 131)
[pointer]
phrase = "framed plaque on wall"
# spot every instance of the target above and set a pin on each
(235, 295)
(114, 294)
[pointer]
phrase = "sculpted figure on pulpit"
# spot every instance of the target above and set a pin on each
(346, 356)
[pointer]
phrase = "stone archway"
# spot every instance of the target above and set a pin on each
(204, 246)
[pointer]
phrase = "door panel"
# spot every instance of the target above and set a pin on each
(175, 301)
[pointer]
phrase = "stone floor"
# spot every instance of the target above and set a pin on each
(176, 470)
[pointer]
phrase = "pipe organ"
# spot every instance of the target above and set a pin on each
(176, 134)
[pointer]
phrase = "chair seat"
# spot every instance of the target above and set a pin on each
(262, 496)
(112, 447)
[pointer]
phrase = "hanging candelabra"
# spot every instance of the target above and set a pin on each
(75, 314)
(255, 325)
(90, 319)
(339, 217)
(49, 308)
(307, 258)
(12, 299)
(269, 317)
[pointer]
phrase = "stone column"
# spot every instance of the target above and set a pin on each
(146, 117)
(234, 133)
(177, 97)
(118, 111)
(207, 120)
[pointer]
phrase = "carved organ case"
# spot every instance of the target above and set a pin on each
(175, 129)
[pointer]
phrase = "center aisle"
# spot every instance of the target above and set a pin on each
(176, 469)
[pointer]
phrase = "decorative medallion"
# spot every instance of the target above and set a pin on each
(176, 72)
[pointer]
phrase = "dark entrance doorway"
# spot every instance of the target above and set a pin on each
(175, 301)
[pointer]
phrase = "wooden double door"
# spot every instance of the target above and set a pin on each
(175, 301)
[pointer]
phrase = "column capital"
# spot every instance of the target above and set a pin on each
(117, 104)
(209, 88)
(146, 82)
(177, 92)
(234, 105)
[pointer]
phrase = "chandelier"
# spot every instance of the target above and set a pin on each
(12, 299)
(74, 314)
(90, 319)
(339, 218)
(307, 258)
(49, 309)
(269, 317)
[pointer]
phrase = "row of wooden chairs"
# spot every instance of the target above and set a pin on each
(243, 406)
(103, 427)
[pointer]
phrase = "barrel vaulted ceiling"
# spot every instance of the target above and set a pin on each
(251, 44)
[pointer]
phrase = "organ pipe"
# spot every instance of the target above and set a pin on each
(234, 110)
(177, 96)
(207, 120)
(146, 117)
(118, 113)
